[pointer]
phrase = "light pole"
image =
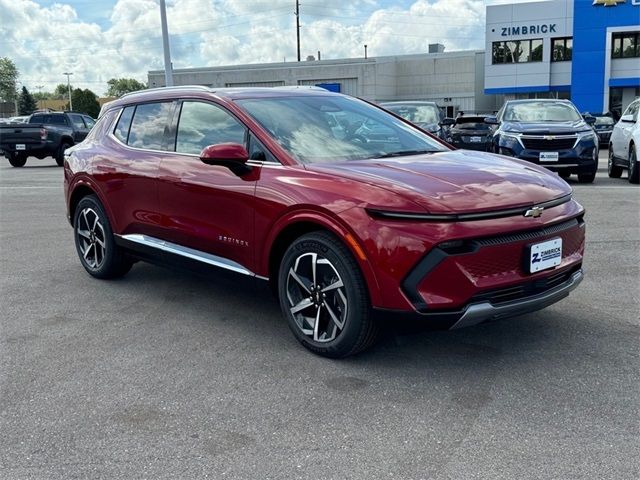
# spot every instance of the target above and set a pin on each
(168, 68)
(68, 74)
(40, 87)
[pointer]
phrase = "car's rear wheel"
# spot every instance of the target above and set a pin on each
(18, 160)
(96, 247)
(324, 297)
(60, 153)
(634, 171)
(613, 170)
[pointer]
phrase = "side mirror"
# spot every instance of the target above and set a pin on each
(231, 155)
(446, 122)
(589, 119)
(491, 120)
(626, 118)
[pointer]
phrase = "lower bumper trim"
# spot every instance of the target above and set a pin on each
(480, 312)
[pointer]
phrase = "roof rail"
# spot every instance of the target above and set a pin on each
(175, 87)
(300, 87)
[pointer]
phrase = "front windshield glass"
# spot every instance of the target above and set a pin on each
(418, 114)
(328, 129)
(529, 112)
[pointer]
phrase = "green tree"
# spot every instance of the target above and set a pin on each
(61, 91)
(85, 101)
(8, 79)
(26, 103)
(120, 86)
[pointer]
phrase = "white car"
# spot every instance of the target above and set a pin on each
(625, 144)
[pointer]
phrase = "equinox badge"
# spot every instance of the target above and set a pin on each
(534, 212)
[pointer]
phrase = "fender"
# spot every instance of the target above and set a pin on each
(82, 180)
(332, 223)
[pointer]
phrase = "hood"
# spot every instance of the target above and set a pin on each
(545, 128)
(457, 181)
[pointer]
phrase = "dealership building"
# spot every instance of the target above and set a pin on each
(584, 50)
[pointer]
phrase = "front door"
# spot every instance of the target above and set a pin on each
(204, 207)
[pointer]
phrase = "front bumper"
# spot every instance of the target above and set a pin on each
(480, 312)
(477, 312)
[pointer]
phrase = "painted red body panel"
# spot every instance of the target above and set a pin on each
(180, 199)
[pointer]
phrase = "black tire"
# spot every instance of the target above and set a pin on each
(96, 247)
(634, 171)
(586, 177)
(348, 303)
(60, 153)
(17, 160)
(564, 174)
(613, 170)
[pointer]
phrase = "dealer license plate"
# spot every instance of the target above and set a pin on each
(21, 146)
(545, 255)
(548, 156)
(475, 139)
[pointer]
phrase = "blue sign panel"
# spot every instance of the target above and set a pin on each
(332, 87)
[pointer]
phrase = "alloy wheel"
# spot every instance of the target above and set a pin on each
(91, 238)
(317, 299)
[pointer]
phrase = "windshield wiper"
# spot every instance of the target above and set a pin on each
(405, 153)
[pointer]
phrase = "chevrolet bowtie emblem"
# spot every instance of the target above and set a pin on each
(549, 137)
(608, 3)
(534, 212)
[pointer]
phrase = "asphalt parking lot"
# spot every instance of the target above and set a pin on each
(165, 374)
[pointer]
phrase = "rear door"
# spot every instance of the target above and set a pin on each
(127, 169)
(80, 129)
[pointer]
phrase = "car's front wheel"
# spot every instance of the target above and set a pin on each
(613, 170)
(324, 297)
(634, 171)
(96, 247)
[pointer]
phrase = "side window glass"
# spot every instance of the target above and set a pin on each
(122, 128)
(77, 121)
(203, 124)
(148, 127)
(89, 122)
(36, 119)
(58, 120)
(257, 151)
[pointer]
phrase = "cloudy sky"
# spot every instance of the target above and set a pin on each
(101, 39)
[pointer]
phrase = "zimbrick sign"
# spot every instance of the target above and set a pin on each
(528, 30)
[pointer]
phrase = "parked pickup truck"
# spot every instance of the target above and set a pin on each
(44, 135)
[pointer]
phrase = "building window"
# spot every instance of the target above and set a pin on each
(517, 51)
(626, 45)
(561, 49)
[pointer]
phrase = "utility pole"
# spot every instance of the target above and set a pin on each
(68, 74)
(365, 51)
(40, 87)
(168, 74)
(298, 26)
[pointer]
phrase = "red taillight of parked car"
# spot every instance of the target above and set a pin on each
(43, 134)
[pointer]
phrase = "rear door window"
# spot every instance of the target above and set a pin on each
(77, 120)
(149, 126)
(203, 124)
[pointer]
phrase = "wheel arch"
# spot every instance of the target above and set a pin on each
(285, 232)
(81, 189)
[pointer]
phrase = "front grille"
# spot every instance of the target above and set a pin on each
(548, 145)
(528, 235)
(524, 290)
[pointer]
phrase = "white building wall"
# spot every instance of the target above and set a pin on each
(501, 19)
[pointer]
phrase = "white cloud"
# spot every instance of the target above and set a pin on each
(46, 41)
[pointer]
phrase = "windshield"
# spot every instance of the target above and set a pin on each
(418, 114)
(530, 112)
(323, 129)
(604, 121)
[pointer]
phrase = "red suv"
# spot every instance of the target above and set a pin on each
(347, 210)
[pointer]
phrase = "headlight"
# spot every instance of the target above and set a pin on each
(586, 136)
(509, 138)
